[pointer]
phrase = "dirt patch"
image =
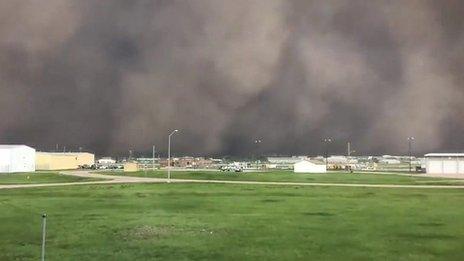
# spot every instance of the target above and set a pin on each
(322, 214)
(145, 232)
(431, 224)
(271, 200)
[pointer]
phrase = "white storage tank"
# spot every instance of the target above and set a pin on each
(16, 158)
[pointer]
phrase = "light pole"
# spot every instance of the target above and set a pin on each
(257, 142)
(169, 154)
(410, 140)
(153, 163)
(327, 141)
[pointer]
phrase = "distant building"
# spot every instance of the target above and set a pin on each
(106, 161)
(284, 162)
(16, 158)
(63, 160)
(188, 162)
(307, 166)
(444, 163)
(130, 167)
(389, 161)
(337, 160)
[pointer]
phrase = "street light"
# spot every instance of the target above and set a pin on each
(256, 150)
(169, 154)
(327, 141)
(153, 161)
(410, 140)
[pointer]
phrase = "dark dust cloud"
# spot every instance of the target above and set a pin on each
(110, 76)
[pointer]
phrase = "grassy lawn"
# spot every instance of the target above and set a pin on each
(289, 176)
(37, 177)
(232, 222)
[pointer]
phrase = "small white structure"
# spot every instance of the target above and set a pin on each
(106, 161)
(306, 166)
(444, 163)
(390, 161)
(16, 158)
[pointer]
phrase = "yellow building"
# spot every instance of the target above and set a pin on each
(130, 167)
(61, 161)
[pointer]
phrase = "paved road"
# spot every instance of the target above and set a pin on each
(107, 179)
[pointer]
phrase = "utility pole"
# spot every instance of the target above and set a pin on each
(349, 148)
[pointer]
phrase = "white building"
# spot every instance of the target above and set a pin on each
(16, 158)
(337, 160)
(306, 166)
(444, 163)
(284, 162)
(106, 161)
(390, 161)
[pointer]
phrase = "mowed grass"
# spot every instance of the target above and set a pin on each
(289, 176)
(38, 177)
(232, 222)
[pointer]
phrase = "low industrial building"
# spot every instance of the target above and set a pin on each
(444, 163)
(309, 166)
(17, 158)
(187, 162)
(131, 167)
(63, 160)
(106, 161)
(284, 162)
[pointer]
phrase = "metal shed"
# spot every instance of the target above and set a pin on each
(306, 166)
(444, 163)
(16, 158)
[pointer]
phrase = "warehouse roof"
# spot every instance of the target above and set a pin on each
(64, 153)
(444, 155)
(12, 146)
(316, 162)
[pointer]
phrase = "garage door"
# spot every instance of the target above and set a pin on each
(434, 166)
(450, 166)
(461, 166)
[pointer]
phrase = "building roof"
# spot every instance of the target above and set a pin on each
(13, 146)
(444, 155)
(64, 153)
(316, 162)
(293, 159)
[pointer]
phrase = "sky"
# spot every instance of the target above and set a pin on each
(112, 76)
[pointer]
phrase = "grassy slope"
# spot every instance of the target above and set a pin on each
(292, 177)
(233, 222)
(37, 177)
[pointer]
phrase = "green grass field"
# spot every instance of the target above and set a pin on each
(232, 222)
(38, 177)
(289, 176)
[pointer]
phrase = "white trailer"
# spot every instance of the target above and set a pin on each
(16, 158)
